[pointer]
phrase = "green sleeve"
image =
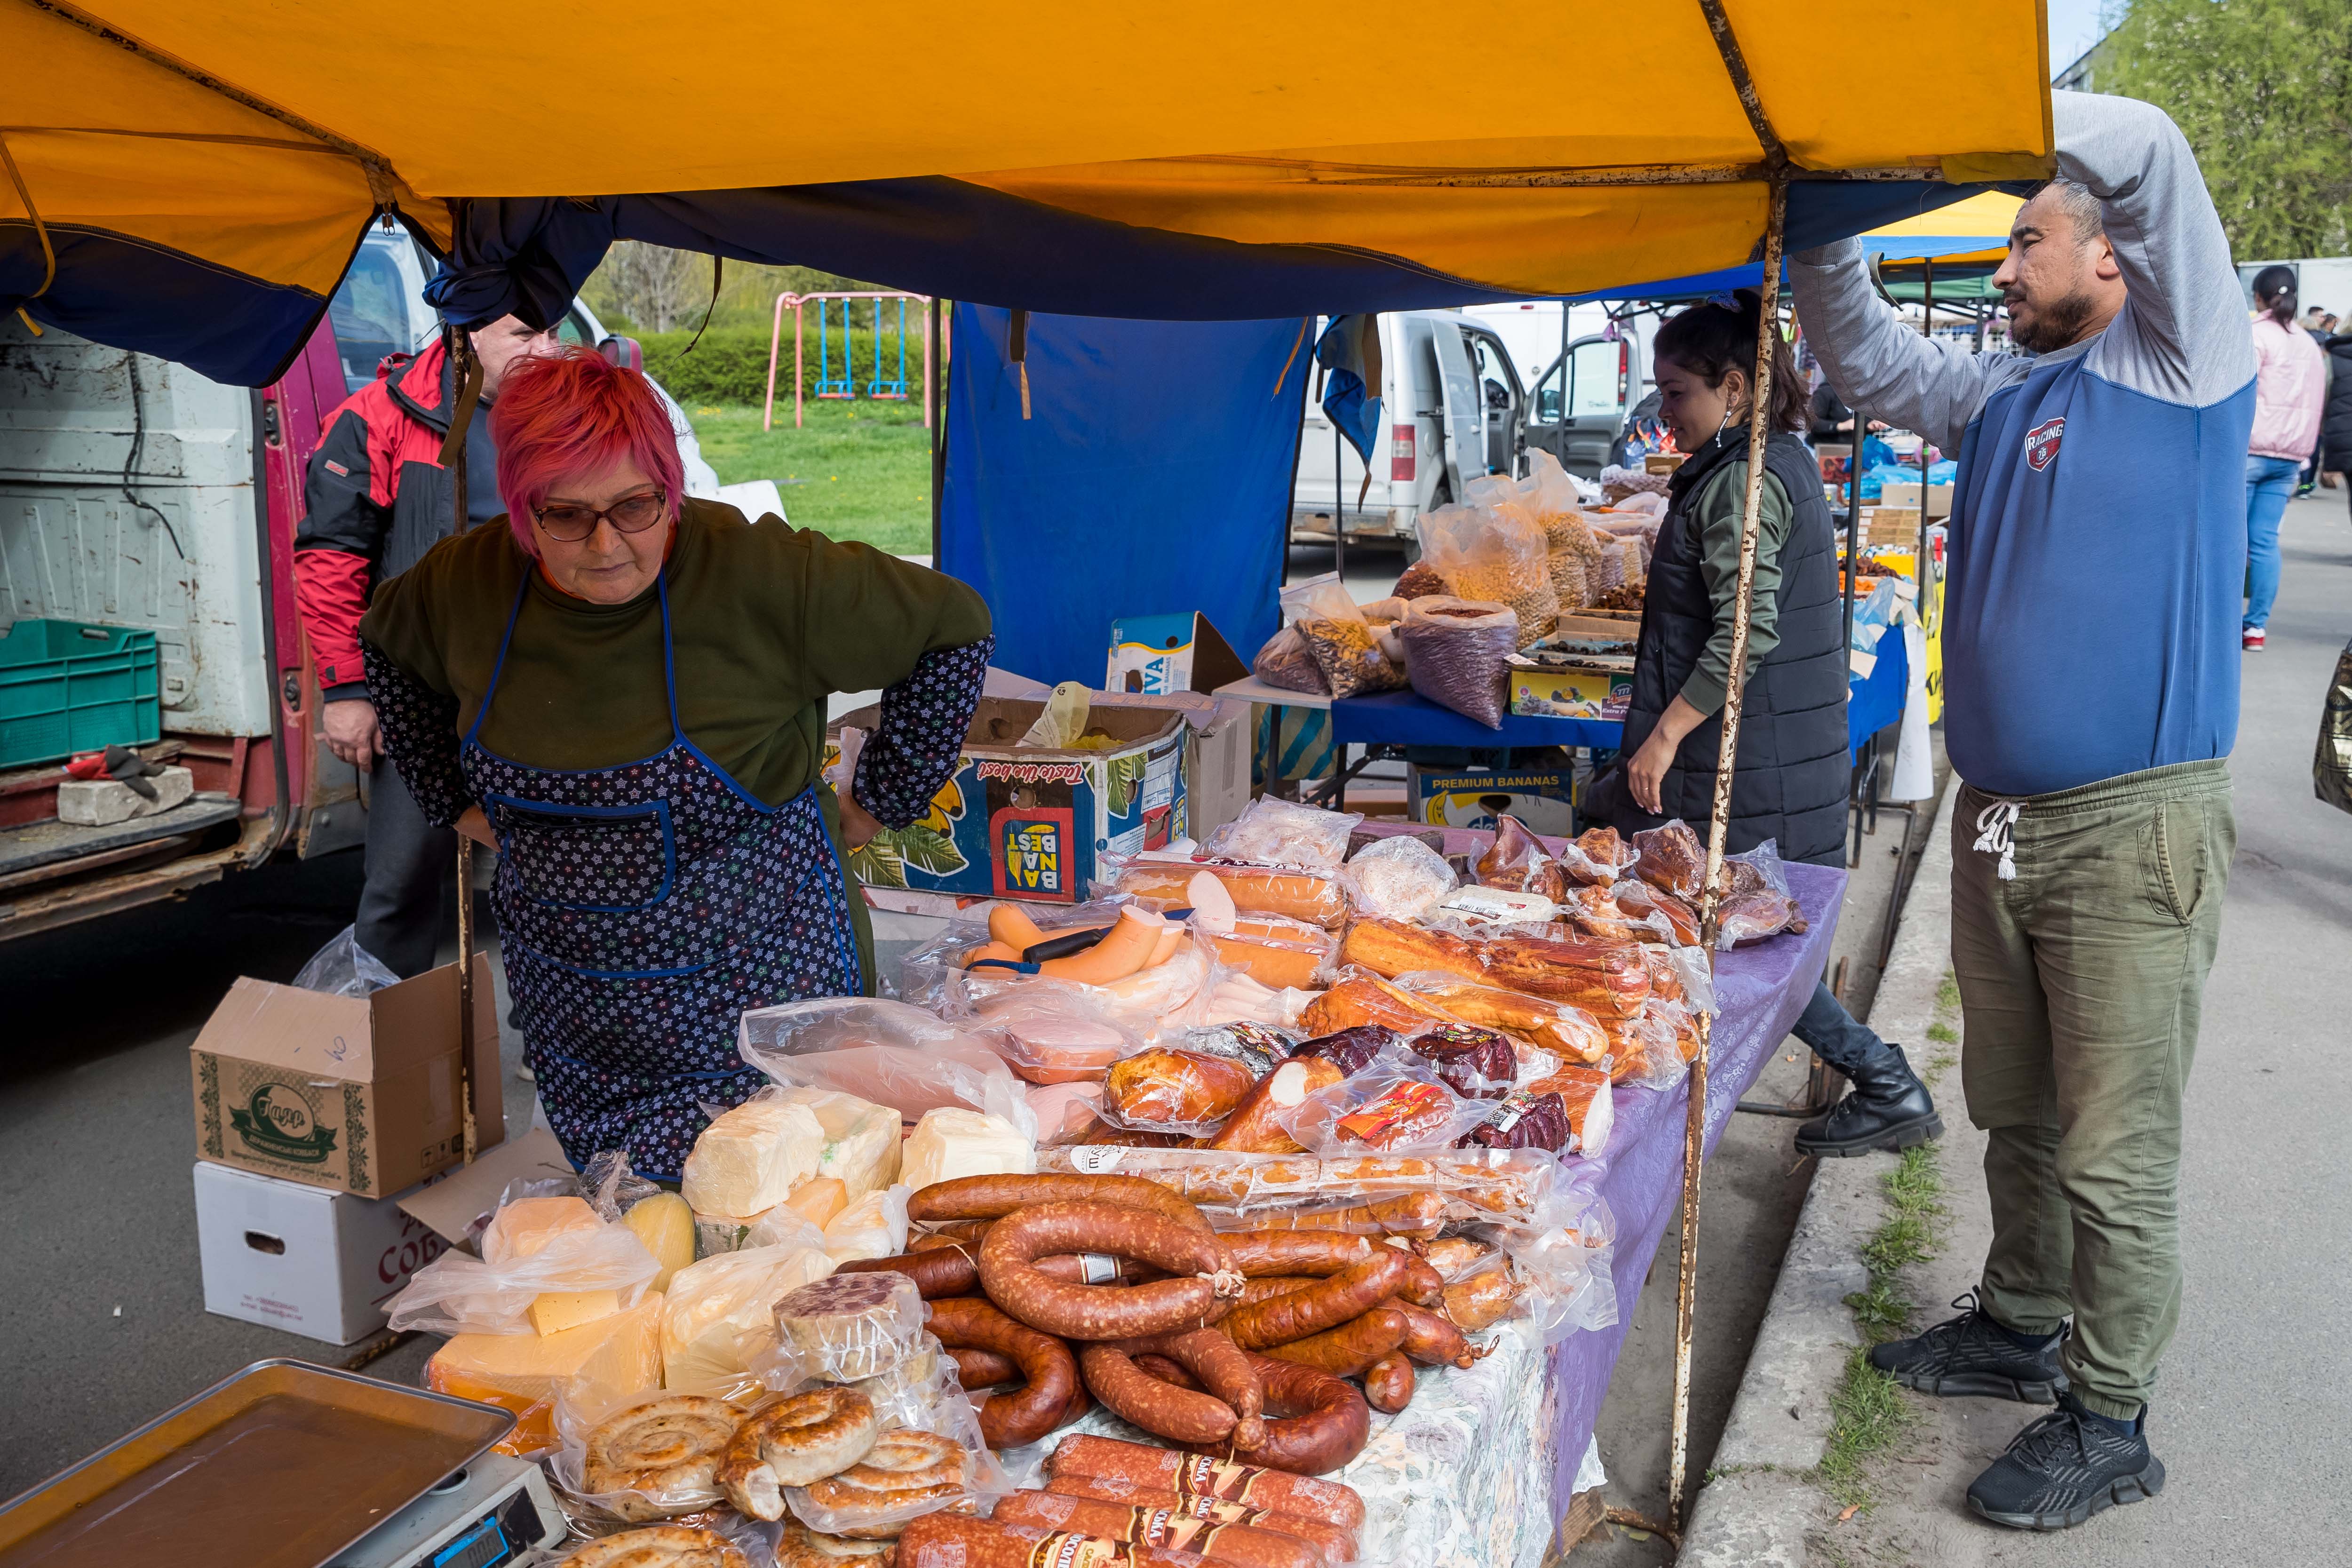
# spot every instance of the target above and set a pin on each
(868, 616)
(1719, 505)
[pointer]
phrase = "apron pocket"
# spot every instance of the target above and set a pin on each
(606, 858)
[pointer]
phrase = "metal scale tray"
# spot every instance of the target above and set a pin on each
(284, 1465)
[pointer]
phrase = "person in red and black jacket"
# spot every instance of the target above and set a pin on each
(376, 498)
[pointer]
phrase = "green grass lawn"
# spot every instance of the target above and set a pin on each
(854, 470)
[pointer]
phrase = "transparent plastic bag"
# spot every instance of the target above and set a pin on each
(1515, 860)
(1338, 636)
(458, 1294)
(1363, 1194)
(718, 1536)
(873, 1226)
(851, 1327)
(1053, 1035)
(1286, 661)
(1757, 903)
(1399, 879)
(885, 1052)
(1568, 585)
(718, 1317)
(1493, 555)
(1458, 654)
(345, 968)
(1391, 1107)
(1274, 832)
(1313, 896)
(683, 1480)
(862, 1504)
(611, 1188)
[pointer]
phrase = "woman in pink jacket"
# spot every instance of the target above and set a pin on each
(2290, 384)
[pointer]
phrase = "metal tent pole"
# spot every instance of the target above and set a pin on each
(1928, 326)
(453, 457)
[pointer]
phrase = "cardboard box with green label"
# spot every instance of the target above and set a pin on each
(358, 1094)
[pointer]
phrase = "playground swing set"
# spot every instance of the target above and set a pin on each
(844, 386)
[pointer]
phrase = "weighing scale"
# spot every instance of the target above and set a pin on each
(288, 1464)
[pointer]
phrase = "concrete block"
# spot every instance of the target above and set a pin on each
(103, 803)
(1754, 1520)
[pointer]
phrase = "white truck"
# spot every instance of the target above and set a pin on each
(143, 506)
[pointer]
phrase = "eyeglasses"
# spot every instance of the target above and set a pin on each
(632, 514)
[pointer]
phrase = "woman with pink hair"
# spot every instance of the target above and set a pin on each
(624, 690)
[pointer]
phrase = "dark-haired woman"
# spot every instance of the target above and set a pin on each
(1790, 783)
(2290, 383)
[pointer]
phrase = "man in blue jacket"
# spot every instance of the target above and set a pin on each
(2097, 553)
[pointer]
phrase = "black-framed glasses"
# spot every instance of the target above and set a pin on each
(630, 514)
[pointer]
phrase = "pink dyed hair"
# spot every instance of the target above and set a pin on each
(576, 416)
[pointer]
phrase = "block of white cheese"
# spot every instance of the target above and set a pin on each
(721, 1313)
(952, 1141)
(751, 1158)
(525, 1226)
(870, 1227)
(861, 1138)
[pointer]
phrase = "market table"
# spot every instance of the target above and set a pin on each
(1478, 1469)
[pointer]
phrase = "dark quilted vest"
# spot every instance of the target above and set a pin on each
(1791, 779)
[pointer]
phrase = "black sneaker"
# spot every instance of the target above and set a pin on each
(2062, 1469)
(1973, 1355)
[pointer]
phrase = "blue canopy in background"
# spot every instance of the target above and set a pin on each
(1151, 476)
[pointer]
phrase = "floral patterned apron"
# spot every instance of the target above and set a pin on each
(641, 909)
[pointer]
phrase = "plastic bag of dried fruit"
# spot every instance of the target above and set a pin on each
(1341, 640)
(1497, 555)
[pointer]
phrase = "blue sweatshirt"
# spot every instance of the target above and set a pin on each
(2097, 552)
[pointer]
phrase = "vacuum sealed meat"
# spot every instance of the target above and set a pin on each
(1274, 950)
(1163, 1091)
(1672, 858)
(1523, 1120)
(1597, 855)
(1313, 896)
(1514, 857)
(1476, 1063)
(1256, 1047)
(1275, 832)
(1458, 654)
(1286, 661)
(1352, 1049)
(1392, 1106)
(1399, 879)
(850, 1326)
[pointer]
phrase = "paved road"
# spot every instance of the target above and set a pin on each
(2251, 1413)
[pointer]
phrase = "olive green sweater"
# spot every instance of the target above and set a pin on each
(1716, 511)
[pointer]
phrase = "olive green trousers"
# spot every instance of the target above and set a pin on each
(2081, 975)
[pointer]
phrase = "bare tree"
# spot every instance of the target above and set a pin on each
(654, 287)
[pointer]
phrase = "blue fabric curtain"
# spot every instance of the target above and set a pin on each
(1151, 476)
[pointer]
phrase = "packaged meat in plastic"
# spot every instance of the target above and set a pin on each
(885, 1052)
(1585, 1092)
(1672, 858)
(1256, 1047)
(1523, 1119)
(1316, 897)
(1065, 1111)
(652, 1455)
(1560, 1027)
(1457, 654)
(1476, 1063)
(1353, 1049)
(1392, 1106)
(1638, 901)
(1758, 903)
(1597, 855)
(1495, 555)
(1514, 857)
(1358, 997)
(847, 1327)
(1338, 636)
(1164, 1090)
(1285, 661)
(1399, 879)
(1235, 998)
(1392, 947)
(1271, 831)
(1512, 1186)
(1275, 949)
(1054, 1035)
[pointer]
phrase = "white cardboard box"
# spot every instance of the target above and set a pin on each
(311, 1261)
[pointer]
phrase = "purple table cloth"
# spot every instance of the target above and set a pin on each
(1760, 990)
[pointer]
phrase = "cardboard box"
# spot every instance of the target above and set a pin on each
(459, 1207)
(1553, 689)
(1940, 499)
(357, 1093)
(1541, 801)
(1216, 756)
(313, 1262)
(1151, 654)
(1890, 525)
(1663, 462)
(1019, 822)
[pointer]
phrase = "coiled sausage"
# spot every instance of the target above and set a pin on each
(1203, 1290)
(1011, 1420)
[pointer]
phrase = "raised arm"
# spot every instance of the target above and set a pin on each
(2183, 335)
(1881, 367)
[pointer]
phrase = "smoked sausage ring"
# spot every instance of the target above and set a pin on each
(993, 1197)
(1218, 1366)
(1026, 1415)
(1164, 1409)
(1351, 1293)
(1203, 1288)
(1321, 1422)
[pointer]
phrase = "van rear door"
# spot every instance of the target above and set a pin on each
(1466, 410)
(1589, 404)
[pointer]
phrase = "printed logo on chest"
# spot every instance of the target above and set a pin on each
(2041, 442)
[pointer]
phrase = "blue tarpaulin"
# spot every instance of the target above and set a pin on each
(1152, 476)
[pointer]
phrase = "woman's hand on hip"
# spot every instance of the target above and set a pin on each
(858, 825)
(475, 826)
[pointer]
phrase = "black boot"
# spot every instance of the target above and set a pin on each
(1888, 1108)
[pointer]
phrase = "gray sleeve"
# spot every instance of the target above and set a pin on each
(1879, 365)
(2182, 335)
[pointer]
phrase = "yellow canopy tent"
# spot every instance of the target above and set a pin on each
(201, 170)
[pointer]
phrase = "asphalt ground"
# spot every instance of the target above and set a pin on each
(2253, 1401)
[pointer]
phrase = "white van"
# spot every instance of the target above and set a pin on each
(1452, 405)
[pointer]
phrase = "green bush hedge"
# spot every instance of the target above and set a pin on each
(731, 365)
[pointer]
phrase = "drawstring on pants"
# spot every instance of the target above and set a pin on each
(1994, 825)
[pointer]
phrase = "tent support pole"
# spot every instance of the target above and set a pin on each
(1927, 326)
(454, 457)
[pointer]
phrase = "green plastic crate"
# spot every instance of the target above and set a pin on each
(67, 687)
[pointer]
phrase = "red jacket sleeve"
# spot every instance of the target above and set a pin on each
(336, 548)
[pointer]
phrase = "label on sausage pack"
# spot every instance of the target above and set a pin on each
(1098, 1268)
(1200, 1475)
(1094, 1159)
(1064, 1548)
(1179, 1528)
